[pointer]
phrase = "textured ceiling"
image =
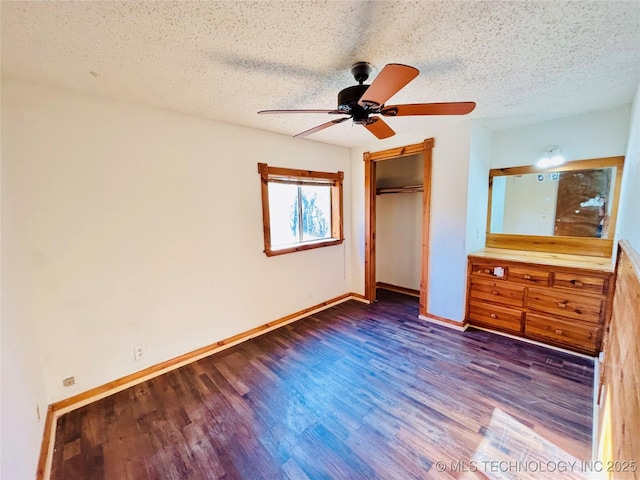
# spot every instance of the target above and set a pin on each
(520, 61)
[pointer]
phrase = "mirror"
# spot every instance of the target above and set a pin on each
(569, 204)
(577, 200)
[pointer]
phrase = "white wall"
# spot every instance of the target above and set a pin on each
(22, 390)
(478, 195)
(590, 135)
(399, 239)
(399, 222)
(449, 195)
(628, 226)
(139, 226)
(447, 263)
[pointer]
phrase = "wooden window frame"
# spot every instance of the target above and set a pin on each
(302, 177)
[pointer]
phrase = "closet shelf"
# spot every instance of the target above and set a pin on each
(406, 189)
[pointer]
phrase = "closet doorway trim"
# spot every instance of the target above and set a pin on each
(370, 159)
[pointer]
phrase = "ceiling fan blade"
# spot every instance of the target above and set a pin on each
(379, 128)
(450, 108)
(304, 111)
(389, 81)
(321, 127)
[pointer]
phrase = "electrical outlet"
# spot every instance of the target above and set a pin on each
(139, 352)
(309, 293)
(67, 382)
(38, 411)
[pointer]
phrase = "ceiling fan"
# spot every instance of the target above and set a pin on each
(364, 102)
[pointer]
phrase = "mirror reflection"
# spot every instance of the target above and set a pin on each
(571, 203)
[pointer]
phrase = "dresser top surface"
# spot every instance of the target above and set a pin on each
(600, 264)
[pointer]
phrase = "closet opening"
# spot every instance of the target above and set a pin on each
(397, 213)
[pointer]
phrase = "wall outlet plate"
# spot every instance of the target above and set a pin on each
(139, 352)
(67, 382)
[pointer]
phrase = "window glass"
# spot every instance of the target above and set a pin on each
(283, 211)
(316, 212)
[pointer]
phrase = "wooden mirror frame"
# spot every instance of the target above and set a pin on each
(594, 247)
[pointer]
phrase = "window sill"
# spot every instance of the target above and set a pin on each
(304, 246)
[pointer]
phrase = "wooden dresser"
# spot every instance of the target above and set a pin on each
(557, 299)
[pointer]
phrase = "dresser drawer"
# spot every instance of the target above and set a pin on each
(496, 291)
(488, 270)
(566, 304)
(529, 276)
(561, 300)
(502, 318)
(576, 335)
(584, 283)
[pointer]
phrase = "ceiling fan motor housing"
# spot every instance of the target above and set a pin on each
(348, 102)
(349, 97)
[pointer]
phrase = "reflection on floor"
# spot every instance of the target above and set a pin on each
(510, 449)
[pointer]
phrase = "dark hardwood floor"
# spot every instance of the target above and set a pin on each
(353, 392)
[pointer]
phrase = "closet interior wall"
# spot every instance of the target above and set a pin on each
(399, 221)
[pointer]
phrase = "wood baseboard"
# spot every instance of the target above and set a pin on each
(61, 407)
(360, 298)
(168, 365)
(45, 448)
(445, 322)
(396, 288)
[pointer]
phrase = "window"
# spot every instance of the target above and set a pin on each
(301, 209)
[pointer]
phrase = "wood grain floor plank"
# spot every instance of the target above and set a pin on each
(355, 391)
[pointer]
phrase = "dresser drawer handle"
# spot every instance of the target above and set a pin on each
(527, 276)
(562, 305)
(494, 292)
(558, 332)
(493, 315)
(577, 283)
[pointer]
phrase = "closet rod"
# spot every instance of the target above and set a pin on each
(407, 189)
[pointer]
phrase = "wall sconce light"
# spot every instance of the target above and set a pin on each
(551, 157)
